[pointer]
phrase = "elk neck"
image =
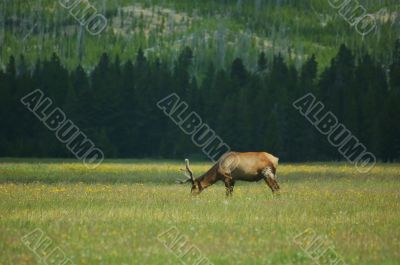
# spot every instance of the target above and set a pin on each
(208, 178)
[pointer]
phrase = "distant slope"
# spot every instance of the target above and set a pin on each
(217, 31)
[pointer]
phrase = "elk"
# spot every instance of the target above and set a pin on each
(233, 166)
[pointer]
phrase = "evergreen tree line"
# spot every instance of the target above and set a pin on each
(115, 105)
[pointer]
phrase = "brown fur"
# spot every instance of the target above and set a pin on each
(233, 166)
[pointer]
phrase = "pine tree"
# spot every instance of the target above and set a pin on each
(391, 114)
(262, 63)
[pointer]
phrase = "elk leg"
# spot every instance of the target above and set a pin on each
(269, 183)
(229, 187)
(269, 178)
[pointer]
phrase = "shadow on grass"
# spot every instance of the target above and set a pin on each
(16, 160)
(86, 180)
(150, 171)
(162, 179)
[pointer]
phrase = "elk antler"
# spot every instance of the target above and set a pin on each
(188, 173)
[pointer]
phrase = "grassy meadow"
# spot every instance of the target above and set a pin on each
(113, 214)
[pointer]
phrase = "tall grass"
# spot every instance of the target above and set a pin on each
(112, 215)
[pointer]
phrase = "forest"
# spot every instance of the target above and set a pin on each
(217, 31)
(115, 104)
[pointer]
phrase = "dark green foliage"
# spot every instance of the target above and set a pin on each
(115, 105)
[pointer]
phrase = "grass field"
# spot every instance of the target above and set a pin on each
(113, 215)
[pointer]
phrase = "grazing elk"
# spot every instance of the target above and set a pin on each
(233, 166)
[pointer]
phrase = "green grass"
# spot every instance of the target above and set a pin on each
(112, 215)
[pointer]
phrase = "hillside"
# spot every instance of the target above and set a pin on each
(217, 31)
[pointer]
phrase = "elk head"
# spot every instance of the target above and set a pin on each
(196, 189)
